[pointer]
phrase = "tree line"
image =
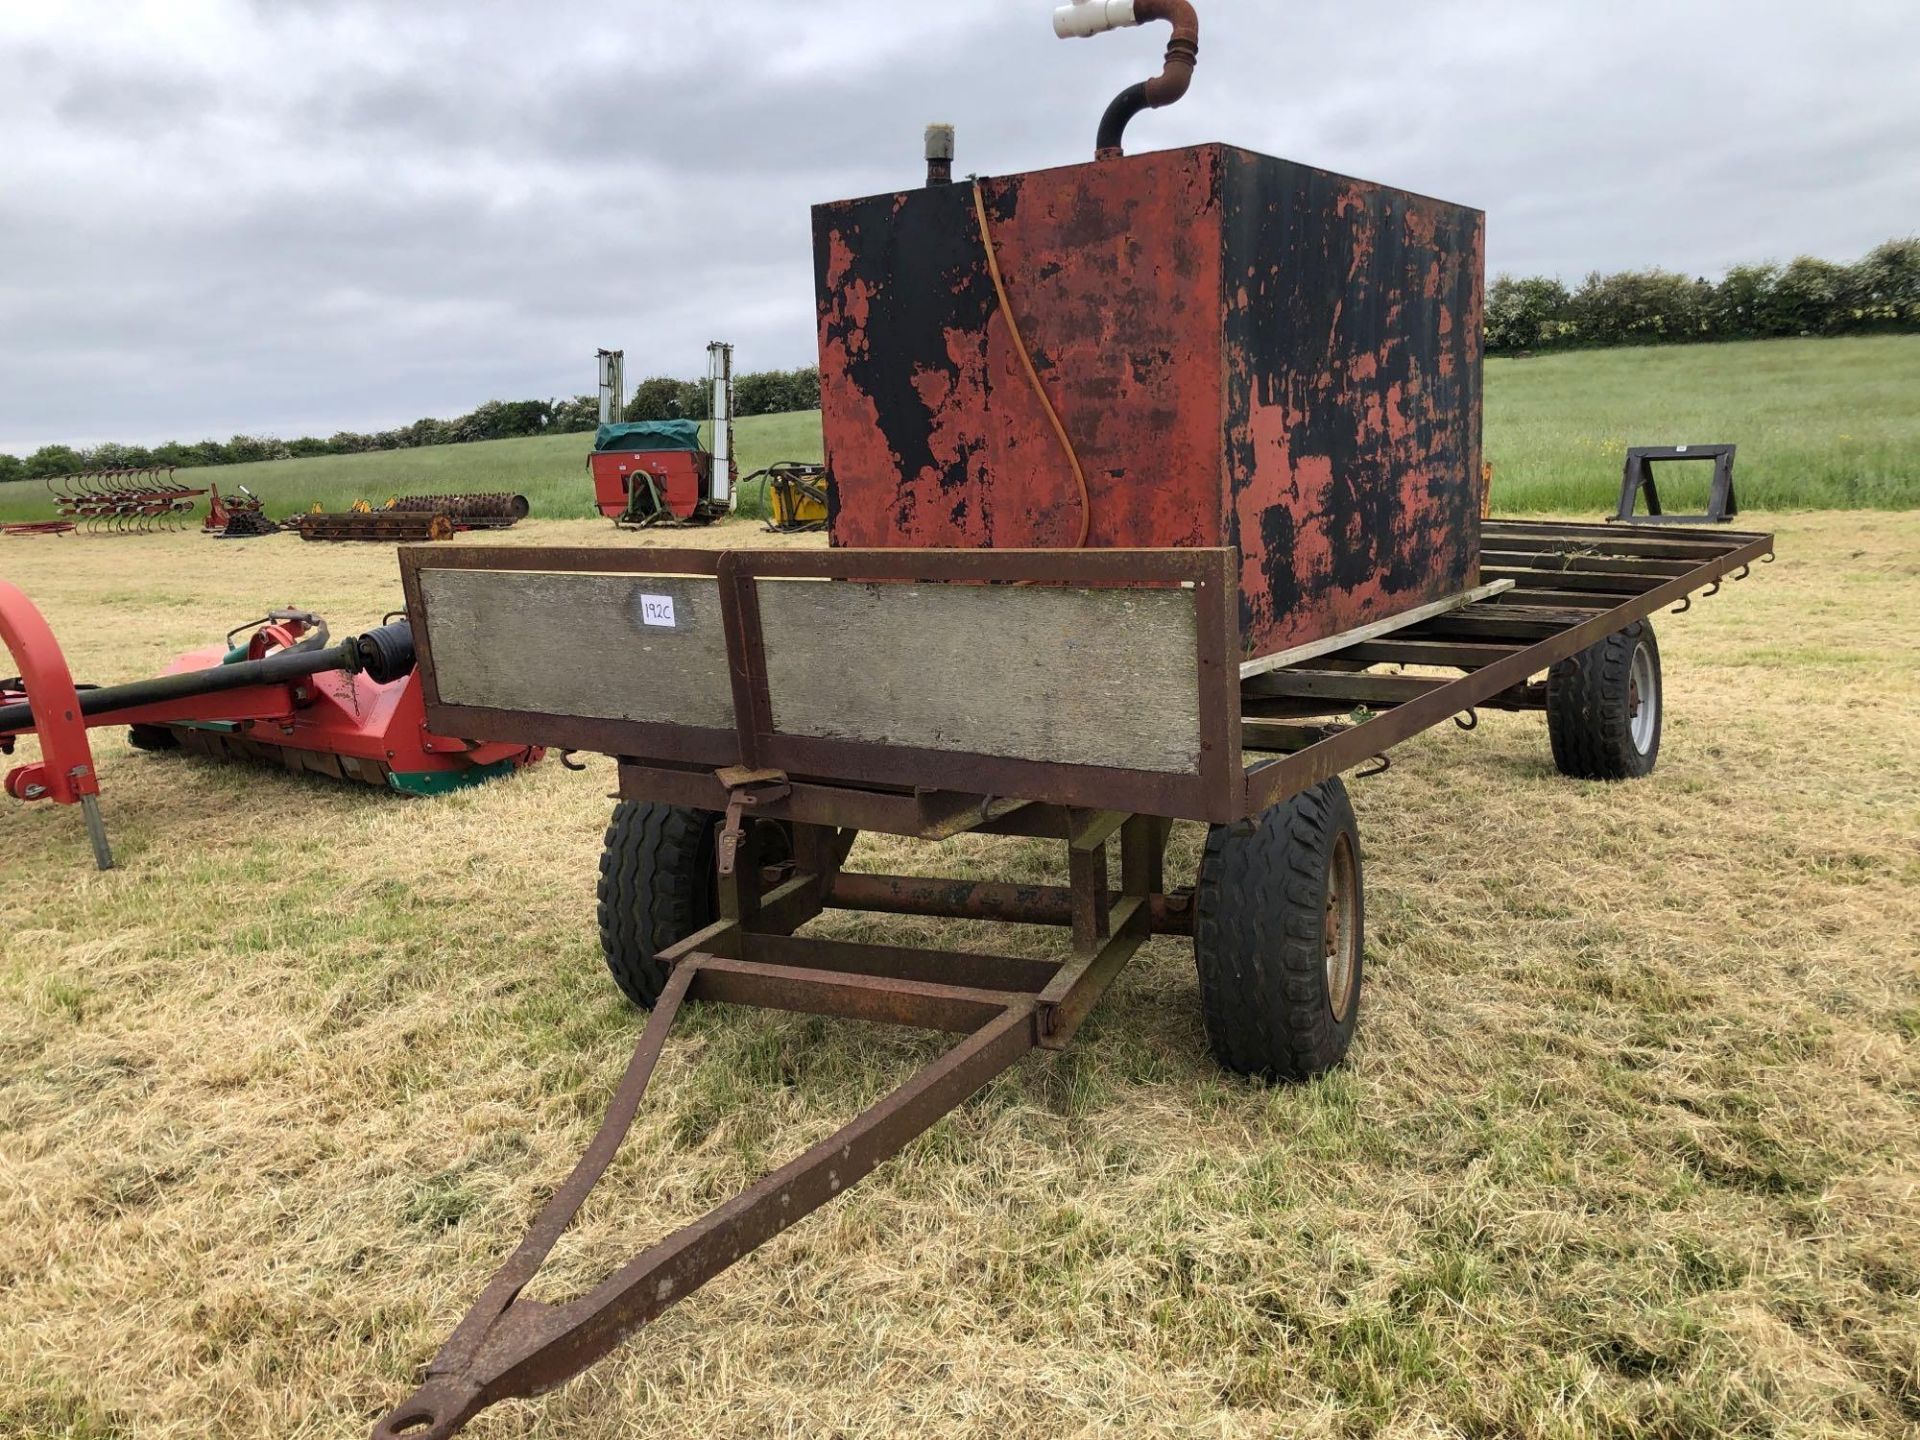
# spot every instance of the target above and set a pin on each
(1750, 302)
(767, 392)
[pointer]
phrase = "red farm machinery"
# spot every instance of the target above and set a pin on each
(1156, 496)
(118, 502)
(651, 473)
(277, 689)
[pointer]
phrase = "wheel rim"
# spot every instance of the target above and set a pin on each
(1342, 929)
(1643, 699)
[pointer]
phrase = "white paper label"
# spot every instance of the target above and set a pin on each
(657, 610)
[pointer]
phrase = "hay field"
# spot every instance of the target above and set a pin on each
(1629, 1145)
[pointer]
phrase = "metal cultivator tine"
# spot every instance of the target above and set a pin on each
(123, 502)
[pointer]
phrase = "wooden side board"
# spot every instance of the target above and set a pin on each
(1099, 677)
(580, 644)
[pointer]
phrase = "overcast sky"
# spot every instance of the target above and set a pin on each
(299, 216)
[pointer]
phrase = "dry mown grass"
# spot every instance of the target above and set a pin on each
(1630, 1145)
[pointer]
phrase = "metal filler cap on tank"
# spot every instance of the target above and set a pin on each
(939, 154)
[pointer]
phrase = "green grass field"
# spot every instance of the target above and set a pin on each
(1821, 424)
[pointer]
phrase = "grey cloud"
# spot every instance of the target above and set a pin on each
(318, 215)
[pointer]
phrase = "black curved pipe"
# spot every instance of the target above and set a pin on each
(1113, 125)
(1166, 88)
(190, 684)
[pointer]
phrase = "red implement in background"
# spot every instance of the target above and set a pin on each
(352, 711)
(679, 480)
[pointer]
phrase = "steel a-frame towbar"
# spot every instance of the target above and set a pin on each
(1002, 1007)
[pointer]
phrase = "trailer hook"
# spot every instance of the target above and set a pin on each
(1711, 591)
(1745, 570)
(1686, 604)
(1381, 764)
(567, 762)
(1468, 719)
(1767, 559)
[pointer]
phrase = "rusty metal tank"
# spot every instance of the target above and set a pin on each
(1242, 351)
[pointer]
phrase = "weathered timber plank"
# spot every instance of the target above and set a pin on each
(576, 644)
(1575, 580)
(1276, 736)
(1590, 562)
(1075, 677)
(1465, 655)
(1332, 685)
(1328, 644)
(1663, 548)
(1588, 603)
(1503, 622)
(1718, 540)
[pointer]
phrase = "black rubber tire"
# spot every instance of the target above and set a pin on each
(1260, 938)
(152, 738)
(1591, 704)
(657, 886)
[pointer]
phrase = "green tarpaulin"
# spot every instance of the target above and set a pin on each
(650, 435)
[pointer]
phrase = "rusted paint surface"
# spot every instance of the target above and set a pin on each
(1245, 351)
(1353, 343)
(935, 438)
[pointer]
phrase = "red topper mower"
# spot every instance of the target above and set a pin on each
(351, 711)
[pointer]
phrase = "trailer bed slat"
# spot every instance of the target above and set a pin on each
(1275, 780)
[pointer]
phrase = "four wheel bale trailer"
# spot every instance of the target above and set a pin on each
(1155, 496)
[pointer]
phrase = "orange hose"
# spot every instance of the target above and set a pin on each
(1033, 376)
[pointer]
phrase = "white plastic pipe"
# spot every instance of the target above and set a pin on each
(720, 375)
(1086, 18)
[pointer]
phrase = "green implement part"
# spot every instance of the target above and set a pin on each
(644, 435)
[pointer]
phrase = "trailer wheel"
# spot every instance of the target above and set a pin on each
(658, 886)
(1279, 931)
(1604, 708)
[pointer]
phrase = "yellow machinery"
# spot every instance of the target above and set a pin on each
(796, 497)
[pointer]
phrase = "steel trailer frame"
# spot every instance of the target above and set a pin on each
(1572, 586)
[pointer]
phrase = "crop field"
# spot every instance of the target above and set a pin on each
(1821, 424)
(1629, 1145)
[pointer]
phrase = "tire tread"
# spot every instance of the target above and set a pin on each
(1258, 915)
(652, 892)
(1589, 719)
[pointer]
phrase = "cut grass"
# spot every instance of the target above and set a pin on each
(1821, 424)
(1629, 1145)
